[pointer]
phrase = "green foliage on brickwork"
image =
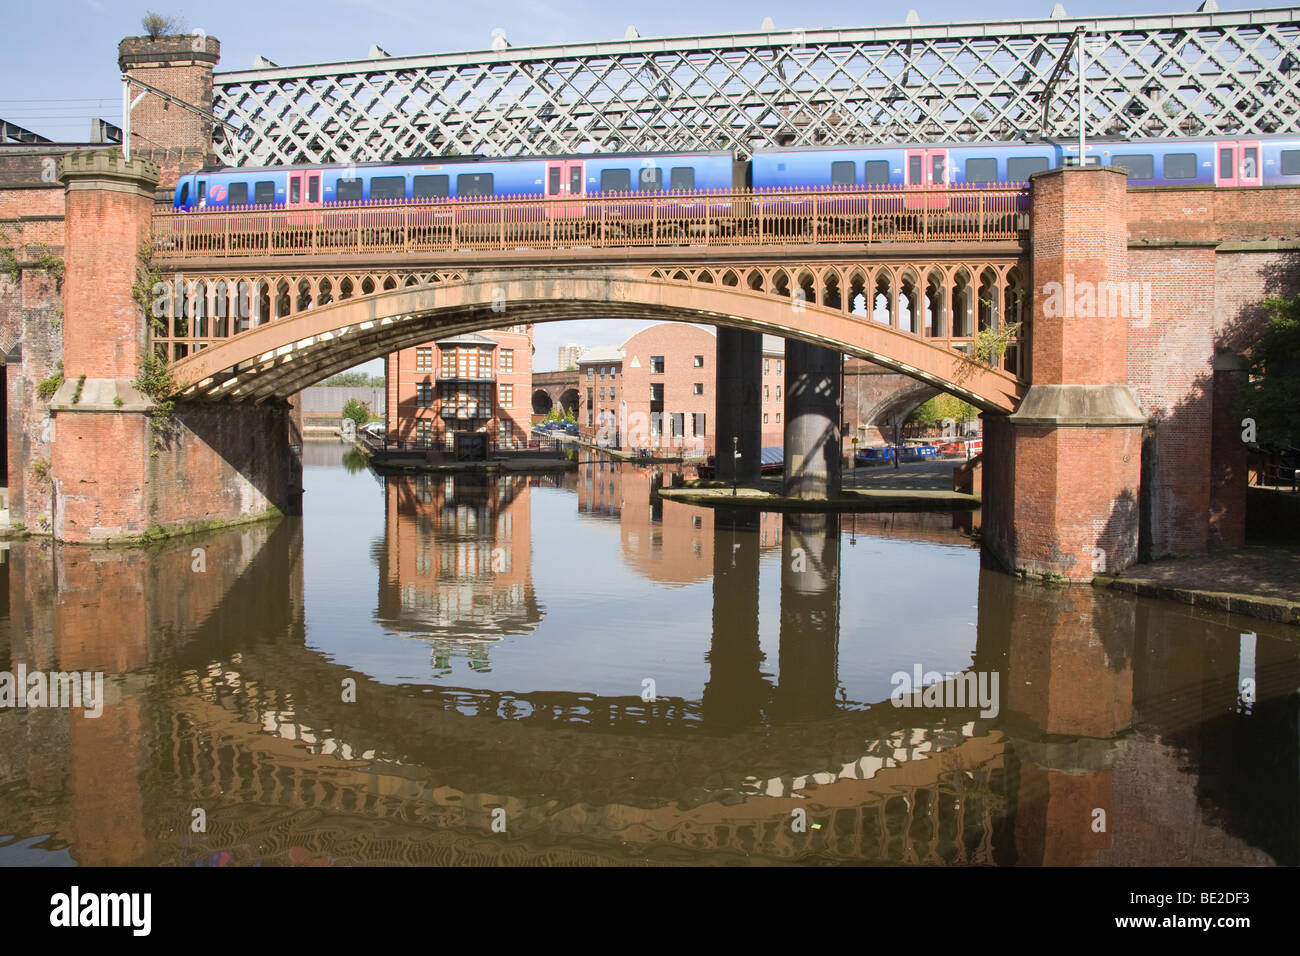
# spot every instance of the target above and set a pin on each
(49, 386)
(1272, 397)
(154, 379)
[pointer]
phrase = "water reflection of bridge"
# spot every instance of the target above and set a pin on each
(223, 705)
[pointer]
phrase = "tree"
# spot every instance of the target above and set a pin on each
(943, 406)
(1272, 397)
(571, 415)
(157, 25)
(357, 411)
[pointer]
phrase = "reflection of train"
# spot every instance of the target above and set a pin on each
(1260, 161)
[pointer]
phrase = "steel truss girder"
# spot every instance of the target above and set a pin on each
(1177, 75)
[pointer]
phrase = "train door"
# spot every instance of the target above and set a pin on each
(1238, 163)
(926, 169)
(564, 179)
(304, 190)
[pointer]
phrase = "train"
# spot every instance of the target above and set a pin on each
(1261, 161)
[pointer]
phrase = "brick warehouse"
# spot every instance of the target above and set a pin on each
(658, 390)
(1210, 255)
(470, 382)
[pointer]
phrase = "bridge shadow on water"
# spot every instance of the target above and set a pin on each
(219, 700)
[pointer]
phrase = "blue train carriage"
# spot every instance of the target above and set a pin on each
(458, 178)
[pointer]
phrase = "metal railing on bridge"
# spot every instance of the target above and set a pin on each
(732, 218)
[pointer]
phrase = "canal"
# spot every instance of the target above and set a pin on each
(563, 668)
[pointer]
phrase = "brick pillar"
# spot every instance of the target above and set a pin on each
(178, 140)
(1074, 446)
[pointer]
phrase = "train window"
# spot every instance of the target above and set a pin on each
(1180, 166)
(264, 193)
(295, 189)
(682, 178)
(1139, 165)
(936, 169)
(575, 180)
(1249, 162)
(1290, 163)
(348, 190)
(615, 180)
(430, 187)
(475, 184)
(914, 170)
(843, 174)
(981, 170)
(388, 187)
(238, 194)
(313, 189)
(203, 191)
(553, 181)
(876, 172)
(185, 189)
(1225, 164)
(650, 179)
(1020, 168)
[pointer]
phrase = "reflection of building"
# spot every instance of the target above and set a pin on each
(469, 382)
(456, 557)
(665, 541)
(658, 390)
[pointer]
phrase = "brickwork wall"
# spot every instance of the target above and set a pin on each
(1266, 212)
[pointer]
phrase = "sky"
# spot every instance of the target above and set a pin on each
(59, 67)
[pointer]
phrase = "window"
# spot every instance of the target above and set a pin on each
(766, 396)
(424, 395)
(843, 174)
(778, 365)
(203, 191)
(602, 394)
(677, 425)
(698, 388)
(1139, 165)
(474, 184)
(506, 396)
(657, 364)
(1225, 164)
(185, 193)
(1180, 166)
(238, 194)
(347, 190)
(507, 360)
(778, 418)
(388, 187)
(575, 181)
(591, 371)
(682, 178)
(1290, 163)
(1020, 168)
(591, 397)
(657, 394)
(778, 393)
(430, 187)
(699, 361)
(650, 179)
(313, 189)
(553, 181)
(601, 373)
(698, 423)
(424, 431)
(611, 394)
(877, 172)
(505, 430)
(295, 189)
(765, 418)
(1249, 162)
(767, 366)
(591, 418)
(981, 170)
(615, 180)
(264, 193)
(914, 170)
(424, 360)
(936, 169)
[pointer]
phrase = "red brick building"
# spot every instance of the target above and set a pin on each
(471, 382)
(657, 390)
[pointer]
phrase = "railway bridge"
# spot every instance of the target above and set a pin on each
(1109, 432)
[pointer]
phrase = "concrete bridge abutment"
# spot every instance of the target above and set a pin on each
(813, 450)
(119, 468)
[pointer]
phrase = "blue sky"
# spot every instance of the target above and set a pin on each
(60, 66)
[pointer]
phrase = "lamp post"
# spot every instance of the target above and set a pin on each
(854, 474)
(735, 464)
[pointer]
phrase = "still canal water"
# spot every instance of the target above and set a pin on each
(567, 669)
